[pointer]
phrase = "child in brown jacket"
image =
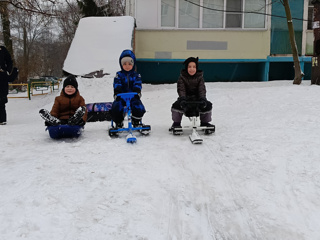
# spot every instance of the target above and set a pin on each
(191, 87)
(68, 108)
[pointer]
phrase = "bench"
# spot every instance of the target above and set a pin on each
(39, 84)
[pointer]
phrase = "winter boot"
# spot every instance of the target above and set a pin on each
(119, 125)
(176, 128)
(77, 116)
(144, 129)
(209, 127)
(136, 122)
(203, 124)
(50, 120)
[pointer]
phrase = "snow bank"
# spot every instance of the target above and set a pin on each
(98, 43)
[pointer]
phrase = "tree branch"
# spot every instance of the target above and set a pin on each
(30, 6)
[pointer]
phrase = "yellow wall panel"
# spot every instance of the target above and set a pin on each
(233, 44)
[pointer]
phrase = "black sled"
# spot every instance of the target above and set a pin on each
(98, 112)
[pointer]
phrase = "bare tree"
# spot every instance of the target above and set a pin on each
(30, 28)
(112, 7)
(6, 28)
(68, 19)
(117, 7)
(35, 6)
(38, 48)
(8, 8)
(298, 74)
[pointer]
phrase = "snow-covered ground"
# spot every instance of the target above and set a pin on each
(257, 177)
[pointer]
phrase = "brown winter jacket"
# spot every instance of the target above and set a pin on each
(188, 86)
(64, 107)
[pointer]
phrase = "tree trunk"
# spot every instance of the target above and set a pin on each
(6, 28)
(24, 73)
(298, 74)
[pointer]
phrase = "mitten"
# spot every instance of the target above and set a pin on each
(183, 102)
(137, 96)
(136, 89)
(117, 98)
(203, 103)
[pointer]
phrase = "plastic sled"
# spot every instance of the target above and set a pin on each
(99, 111)
(143, 129)
(65, 131)
(192, 111)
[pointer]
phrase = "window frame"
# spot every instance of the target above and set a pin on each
(310, 18)
(242, 27)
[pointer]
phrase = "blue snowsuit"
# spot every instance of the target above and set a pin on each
(127, 81)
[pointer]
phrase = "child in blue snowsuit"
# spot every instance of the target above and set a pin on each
(127, 80)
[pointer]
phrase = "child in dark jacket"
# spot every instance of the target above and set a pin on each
(68, 108)
(191, 87)
(127, 80)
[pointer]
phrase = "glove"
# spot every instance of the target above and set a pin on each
(136, 89)
(203, 103)
(183, 102)
(117, 98)
(137, 96)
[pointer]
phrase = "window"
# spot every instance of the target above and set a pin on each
(213, 19)
(234, 14)
(213, 13)
(168, 8)
(189, 14)
(254, 20)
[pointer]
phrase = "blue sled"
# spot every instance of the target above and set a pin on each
(64, 131)
(143, 129)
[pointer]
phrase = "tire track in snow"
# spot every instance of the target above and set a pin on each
(248, 218)
(188, 203)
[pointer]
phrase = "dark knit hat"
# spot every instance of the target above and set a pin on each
(70, 80)
(189, 60)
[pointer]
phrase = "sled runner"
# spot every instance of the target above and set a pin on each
(143, 129)
(99, 111)
(65, 131)
(192, 111)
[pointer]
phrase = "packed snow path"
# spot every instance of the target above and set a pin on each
(257, 177)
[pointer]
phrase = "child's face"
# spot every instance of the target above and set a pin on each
(192, 68)
(69, 90)
(127, 66)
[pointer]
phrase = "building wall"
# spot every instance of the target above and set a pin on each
(180, 44)
(279, 27)
(225, 54)
(155, 42)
